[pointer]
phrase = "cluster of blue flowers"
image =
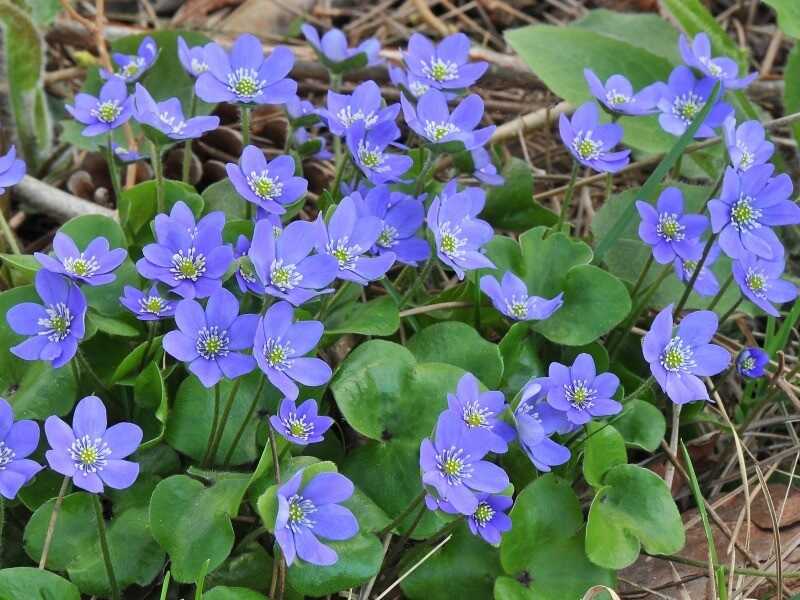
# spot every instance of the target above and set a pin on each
(457, 477)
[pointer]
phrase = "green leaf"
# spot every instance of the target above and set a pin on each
(642, 425)
(75, 547)
(634, 509)
(138, 205)
(22, 262)
(24, 68)
(594, 300)
(192, 415)
(34, 389)
(460, 345)
(510, 206)
(175, 506)
(465, 567)
(791, 91)
(788, 18)
(22, 583)
(384, 394)
(111, 326)
(646, 31)
(545, 545)
(150, 393)
(521, 361)
(221, 195)
(367, 466)
(132, 364)
(695, 18)
(378, 317)
(604, 448)
(232, 593)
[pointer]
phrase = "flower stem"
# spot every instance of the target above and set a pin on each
(476, 303)
(273, 446)
(101, 533)
(646, 385)
(695, 275)
(424, 172)
(567, 197)
(212, 434)
(245, 124)
(408, 510)
(721, 293)
(113, 172)
(420, 279)
(8, 234)
(51, 526)
(87, 368)
(187, 148)
(642, 276)
(158, 168)
(243, 426)
(224, 421)
(731, 310)
(669, 470)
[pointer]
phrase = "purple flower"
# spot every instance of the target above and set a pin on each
(748, 205)
(760, 281)
(485, 171)
(167, 117)
(280, 347)
(489, 521)
(347, 237)
(706, 283)
(93, 266)
(188, 258)
(752, 362)
(301, 112)
(130, 67)
(590, 143)
(401, 216)
(244, 76)
(364, 105)
(668, 231)
(313, 512)
(580, 392)
(698, 55)
(678, 359)
(457, 232)
(17, 441)
(511, 298)
(432, 120)
(12, 169)
(269, 185)
(90, 452)
(208, 339)
(300, 424)
(112, 108)
(147, 306)
(368, 151)
(534, 393)
(246, 277)
(444, 65)
(617, 95)
(535, 422)
(410, 83)
(682, 99)
(452, 465)
(307, 145)
(126, 155)
(334, 52)
(283, 265)
(193, 59)
(746, 144)
(479, 414)
(56, 326)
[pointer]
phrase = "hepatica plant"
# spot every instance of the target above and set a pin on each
(364, 362)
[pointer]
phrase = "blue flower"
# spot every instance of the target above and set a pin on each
(93, 266)
(110, 109)
(444, 65)
(682, 99)
(12, 169)
(458, 233)
(334, 52)
(668, 231)
(752, 362)
(193, 60)
(130, 67)
(167, 117)
(580, 393)
(244, 76)
(511, 298)
(591, 143)
(706, 283)
(536, 421)
(347, 238)
(271, 185)
(698, 55)
(746, 144)
(760, 281)
(431, 119)
(364, 105)
(617, 95)
(368, 151)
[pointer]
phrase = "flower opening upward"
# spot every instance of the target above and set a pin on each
(580, 392)
(591, 143)
(669, 231)
(130, 67)
(90, 452)
(93, 266)
(271, 185)
(681, 100)
(511, 298)
(443, 66)
(679, 358)
(752, 362)
(111, 108)
(300, 424)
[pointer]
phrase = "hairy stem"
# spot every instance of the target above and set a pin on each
(101, 533)
(51, 526)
